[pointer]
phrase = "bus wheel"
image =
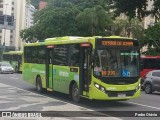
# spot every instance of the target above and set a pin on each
(148, 88)
(39, 85)
(75, 93)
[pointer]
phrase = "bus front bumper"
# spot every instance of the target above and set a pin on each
(102, 94)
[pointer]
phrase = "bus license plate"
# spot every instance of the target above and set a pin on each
(121, 95)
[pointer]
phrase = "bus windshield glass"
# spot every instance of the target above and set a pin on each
(116, 63)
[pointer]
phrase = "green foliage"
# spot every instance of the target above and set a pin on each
(151, 51)
(126, 28)
(152, 38)
(156, 10)
(132, 8)
(76, 18)
(29, 35)
(93, 21)
(63, 18)
(52, 22)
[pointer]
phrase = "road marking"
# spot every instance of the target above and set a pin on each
(14, 78)
(144, 105)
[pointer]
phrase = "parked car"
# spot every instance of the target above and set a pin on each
(6, 68)
(152, 82)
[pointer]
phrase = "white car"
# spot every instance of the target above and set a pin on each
(6, 68)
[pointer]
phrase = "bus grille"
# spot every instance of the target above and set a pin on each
(115, 94)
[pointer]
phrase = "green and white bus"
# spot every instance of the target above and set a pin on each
(103, 68)
(15, 59)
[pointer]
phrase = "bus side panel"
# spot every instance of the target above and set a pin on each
(31, 71)
(50, 76)
(62, 76)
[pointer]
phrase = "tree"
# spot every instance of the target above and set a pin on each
(131, 8)
(94, 21)
(62, 18)
(122, 27)
(152, 39)
(156, 10)
(29, 35)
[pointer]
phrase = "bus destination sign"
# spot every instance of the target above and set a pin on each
(117, 43)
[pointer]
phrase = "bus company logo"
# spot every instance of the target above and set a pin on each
(6, 114)
(21, 114)
(63, 74)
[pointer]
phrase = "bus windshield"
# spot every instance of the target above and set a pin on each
(116, 63)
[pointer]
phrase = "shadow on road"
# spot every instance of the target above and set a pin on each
(90, 104)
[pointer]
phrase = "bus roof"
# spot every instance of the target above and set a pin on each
(71, 39)
(118, 37)
(34, 44)
(150, 57)
(13, 52)
(66, 39)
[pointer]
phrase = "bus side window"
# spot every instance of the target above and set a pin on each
(74, 53)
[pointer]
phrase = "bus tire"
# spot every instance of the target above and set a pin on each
(75, 93)
(148, 88)
(39, 85)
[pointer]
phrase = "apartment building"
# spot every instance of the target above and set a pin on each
(29, 12)
(23, 18)
(6, 8)
(14, 8)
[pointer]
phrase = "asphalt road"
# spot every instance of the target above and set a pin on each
(144, 103)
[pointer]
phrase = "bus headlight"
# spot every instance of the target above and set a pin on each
(99, 87)
(138, 87)
(96, 85)
(102, 89)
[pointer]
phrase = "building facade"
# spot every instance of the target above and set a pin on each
(42, 5)
(23, 18)
(6, 8)
(29, 12)
(14, 8)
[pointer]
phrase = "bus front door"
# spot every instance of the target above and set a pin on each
(85, 70)
(49, 69)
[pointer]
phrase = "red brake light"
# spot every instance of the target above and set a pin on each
(85, 45)
(50, 46)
